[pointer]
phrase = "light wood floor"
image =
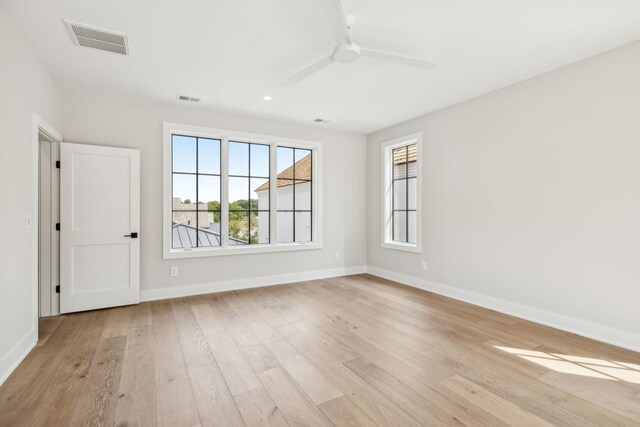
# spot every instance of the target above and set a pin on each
(347, 351)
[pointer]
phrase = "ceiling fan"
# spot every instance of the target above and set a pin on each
(346, 51)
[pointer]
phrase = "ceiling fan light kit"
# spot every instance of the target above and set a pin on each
(347, 52)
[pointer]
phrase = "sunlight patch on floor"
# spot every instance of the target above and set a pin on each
(579, 365)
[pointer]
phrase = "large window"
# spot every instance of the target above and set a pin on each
(228, 192)
(401, 193)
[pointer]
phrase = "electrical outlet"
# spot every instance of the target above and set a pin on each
(174, 271)
(423, 265)
(337, 256)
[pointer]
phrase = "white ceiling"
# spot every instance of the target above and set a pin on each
(231, 53)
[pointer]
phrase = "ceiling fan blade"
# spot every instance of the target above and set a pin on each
(309, 70)
(339, 21)
(400, 59)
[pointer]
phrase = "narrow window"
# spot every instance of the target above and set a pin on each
(195, 192)
(294, 195)
(401, 193)
(249, 167)
(404, 194)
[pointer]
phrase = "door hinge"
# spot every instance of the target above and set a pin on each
(58, 226)
(57, 164)
(57, 289)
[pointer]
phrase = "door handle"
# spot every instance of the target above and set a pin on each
(132, 235)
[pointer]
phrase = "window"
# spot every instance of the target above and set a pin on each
(195, 192)
(249, 173)
(402, 185)
(294, 194)
(228, 192)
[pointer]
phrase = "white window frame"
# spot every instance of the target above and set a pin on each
(387, 194)
(225, 136)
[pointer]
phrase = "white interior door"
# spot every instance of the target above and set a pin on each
(99, 225)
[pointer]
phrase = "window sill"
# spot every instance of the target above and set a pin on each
(239, 250)
(405, 247)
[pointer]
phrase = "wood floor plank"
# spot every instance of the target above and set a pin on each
(211, 392)
(308, 378)
(68, 382)
(140, 315)
(97, 403)
(207, 319)
(215, 403)
(28, 382)
(195, 348)
(501, 408)
(296, 407)
(413, 403)
(117, 323)
(46, 328)
(343, 412)
(136, 405)
(235, 369)
(175, 401)
(256, 355)
(258, 409)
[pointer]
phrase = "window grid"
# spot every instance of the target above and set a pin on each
(406, 179)
(294, 180)
(249, 178)
(196, 174)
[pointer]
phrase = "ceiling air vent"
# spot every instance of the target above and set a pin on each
(98, 38)
(319, 120)
(188, 98)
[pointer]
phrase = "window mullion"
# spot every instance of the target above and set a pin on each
(224, 192)
(273, 194)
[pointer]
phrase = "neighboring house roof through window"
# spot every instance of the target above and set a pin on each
(303, 174)
(400, 156)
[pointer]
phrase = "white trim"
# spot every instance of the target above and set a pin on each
(225, 136)
(240, 250)
(16, 355)
(257, 282)
(585, 328)
(387, 201)
(39, 126)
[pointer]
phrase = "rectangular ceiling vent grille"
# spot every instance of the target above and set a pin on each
(188, 98)
(98, 38)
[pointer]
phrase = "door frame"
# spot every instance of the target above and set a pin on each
(39, 127)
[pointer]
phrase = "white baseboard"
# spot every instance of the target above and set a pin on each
(581, 327)
(16, 355)
(233, 285)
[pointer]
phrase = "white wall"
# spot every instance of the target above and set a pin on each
(25, 88)
(532, 199)
(100, 118)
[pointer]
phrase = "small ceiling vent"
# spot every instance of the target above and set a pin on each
(188, 98)
(319, 120)
(98, 38)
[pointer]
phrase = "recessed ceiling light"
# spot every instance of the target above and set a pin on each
(267, 98)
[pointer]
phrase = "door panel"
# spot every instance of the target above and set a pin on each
(99, 208)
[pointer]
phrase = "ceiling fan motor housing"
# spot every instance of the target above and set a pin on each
(346, 53)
